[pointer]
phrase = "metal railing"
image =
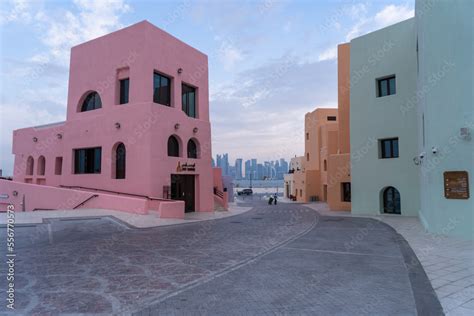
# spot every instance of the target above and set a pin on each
(86, 200)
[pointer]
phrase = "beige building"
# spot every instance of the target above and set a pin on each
(297, 164)
(309, 182)
(326, 172)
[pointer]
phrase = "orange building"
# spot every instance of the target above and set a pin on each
(339, 164)
(309, 182)
(326, 172)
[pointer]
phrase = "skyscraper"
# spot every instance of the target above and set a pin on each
(238, 169)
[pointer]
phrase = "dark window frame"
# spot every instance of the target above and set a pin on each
(91, 102)
(124, 91)
(193, 152)
(186, 91)
(332, 118)
(173, 151)
(392, 152)
(346, 192)
(157, 97)
(386, 81)
(91, 163)
(120, 161)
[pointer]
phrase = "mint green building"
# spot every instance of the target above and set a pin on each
(445, 108)
(383, 138)
(412, 121)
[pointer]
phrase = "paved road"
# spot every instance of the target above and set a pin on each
(282, 260)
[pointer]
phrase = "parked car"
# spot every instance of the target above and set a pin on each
(245, 192)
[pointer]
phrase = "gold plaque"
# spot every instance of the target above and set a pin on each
(456, 185)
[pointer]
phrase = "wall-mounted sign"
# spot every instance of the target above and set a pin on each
(4, 196)
(456, 185)
(185, 167)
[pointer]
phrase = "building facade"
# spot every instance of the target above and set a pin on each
(445, 107)
(339, 164)
(137, 122)
(383, 139)
(310, 183)
(291, 189)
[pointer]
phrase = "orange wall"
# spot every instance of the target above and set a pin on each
(313, 123)
(338, 171)
(343, 95)
(328, 141)
(339, 162)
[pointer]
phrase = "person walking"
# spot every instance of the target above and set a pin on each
(270, 200)
(275, 199)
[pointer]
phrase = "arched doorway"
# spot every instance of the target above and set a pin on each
(391, 201)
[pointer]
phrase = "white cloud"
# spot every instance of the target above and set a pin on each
(91, 20)
(392, 14)
(15, 11)
(328, 54)
(228, 54)
(389, 15)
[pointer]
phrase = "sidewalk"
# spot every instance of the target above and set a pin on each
(448, 261)
(135, 220)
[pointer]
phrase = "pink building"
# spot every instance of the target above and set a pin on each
(137, 127)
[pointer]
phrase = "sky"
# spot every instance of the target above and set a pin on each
(270, 62)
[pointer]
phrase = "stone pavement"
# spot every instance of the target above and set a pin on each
(448, 261)
(283, 259)
(102, 266)
(315, 274)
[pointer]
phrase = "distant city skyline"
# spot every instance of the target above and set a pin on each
(242, 169)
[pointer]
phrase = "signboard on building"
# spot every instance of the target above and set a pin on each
(456, 185)
(185, 167)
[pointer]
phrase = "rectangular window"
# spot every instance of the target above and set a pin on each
(161, 89)
(87, 160)
(388, 148)
(331, 118)
(188, 95)
(124, 88)
(58, 166)
(346, 191)
(386, 86)
(307, 156)
(307, 136)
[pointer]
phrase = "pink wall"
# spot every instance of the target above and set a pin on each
(135, 52)
(51, 198)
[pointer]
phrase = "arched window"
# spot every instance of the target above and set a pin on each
(41, 166)
(192, 149)
(173, 147)
(91, 102)
(29, 166)
(391, 201)
(120, 161)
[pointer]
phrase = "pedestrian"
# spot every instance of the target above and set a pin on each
(275, 199)
(270, 200)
